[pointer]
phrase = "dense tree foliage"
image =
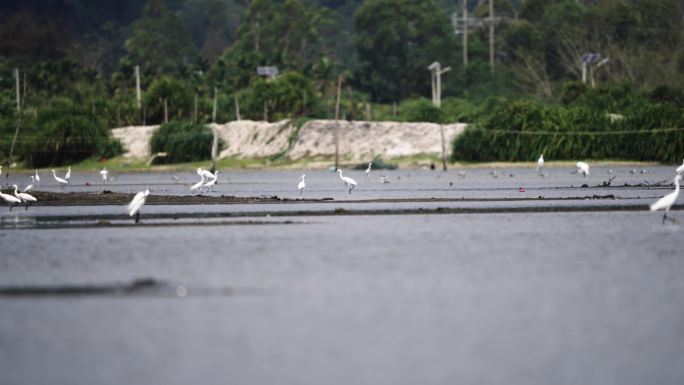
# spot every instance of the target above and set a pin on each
(77, 58)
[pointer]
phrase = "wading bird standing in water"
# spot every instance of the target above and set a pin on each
(37, 178)
(59, 180)
(30, 186)
(67, 176)
(583, 168)
(540, 166)
(368, 170)
(104, 174)
(27, 199)
(137, 203)
(349, 182)
(680, 169)
(11, 201)
(667, 201)
(301, 185)
(212, 181)
(197, 185)
(384, 179)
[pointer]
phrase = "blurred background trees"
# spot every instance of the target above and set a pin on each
(85, 53)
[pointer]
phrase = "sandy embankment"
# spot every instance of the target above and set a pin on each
(358, 140)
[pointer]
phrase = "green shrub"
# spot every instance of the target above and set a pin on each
(420, 110)
(182, 141)
(521, 130)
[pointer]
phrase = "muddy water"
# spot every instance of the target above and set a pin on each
(592, 297)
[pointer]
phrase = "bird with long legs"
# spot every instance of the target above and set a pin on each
(666, 202)
(11, 200)
(29, 187)
(26, 199)
(301, 185)
(368, 170)
(540, 166)
(197, 185)
(582, 168)
(104, 174)
(67, 176)
(212, 181)
(62, 182)
(137, 203)
(37, 180)
(349, 182)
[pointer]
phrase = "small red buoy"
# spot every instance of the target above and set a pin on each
(521, 190)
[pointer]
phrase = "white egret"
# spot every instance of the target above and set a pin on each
(59, 180)
(137, 203)
(212, 181)
(384, 180)
(540, 165)
(0, 170)
(30, 186)
(667, 201)
(583, 168)
(197, 185)
(206, 173)
(301, 185)
(11, 201)
(680, 169)
(37, 178)
(104, 174)
(27, 199)
(368, 170)
(349, 182)
(67, 176)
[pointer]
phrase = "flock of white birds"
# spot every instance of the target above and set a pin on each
(208, 181)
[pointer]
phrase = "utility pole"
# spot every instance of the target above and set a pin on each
(213, 111)
(337, 123)
(16, 132)
(436, 80)
(237, 108)
(465, 33)
(137, 86)
(491, 36)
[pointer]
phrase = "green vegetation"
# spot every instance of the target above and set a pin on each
(642, 127)
(182, 142)
(77, 62)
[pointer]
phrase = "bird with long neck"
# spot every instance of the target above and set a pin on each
(540, 165)
(11, 201)
(680, 169)
(137, 203)
(27, 199)
(368, 170)
(666, 202)
(301, 185)
(62, 182)
(349, 182)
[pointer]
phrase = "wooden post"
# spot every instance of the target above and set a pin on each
(337, 123)
(465, 33)
(166, 111)
(369, 112)
(237, 108)
(214, 146)
(337, 101)
(16, 76)
(444, 162)
(491, 36)
(213, 111)
(194, 114)
(137, 87)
